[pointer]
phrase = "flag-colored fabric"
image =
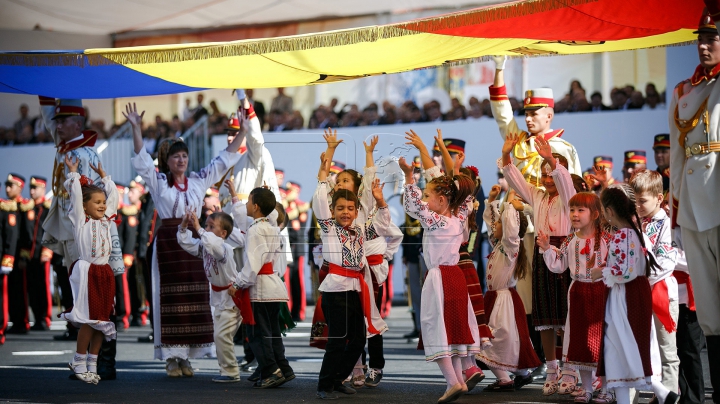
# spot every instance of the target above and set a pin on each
(530, 27)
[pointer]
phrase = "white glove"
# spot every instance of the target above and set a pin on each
(677, 237)
(5, 270)
(240, 93)
(499, 62)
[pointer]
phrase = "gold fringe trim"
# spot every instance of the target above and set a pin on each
(489, 14)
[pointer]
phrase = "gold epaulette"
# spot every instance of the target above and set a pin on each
(8, 206)
(47, 203)
(130, 210)
(26, 204)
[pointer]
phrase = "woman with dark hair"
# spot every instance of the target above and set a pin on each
(182, 323)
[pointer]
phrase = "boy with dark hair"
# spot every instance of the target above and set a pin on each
(220, 270)
(259, 284)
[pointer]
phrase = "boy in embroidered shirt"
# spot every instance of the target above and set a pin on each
(648, 187)
(220, 270)
(259, 283)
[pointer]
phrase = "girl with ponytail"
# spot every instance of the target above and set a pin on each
(630, 356)
(449, 330)
(584, 249)
(512, 350)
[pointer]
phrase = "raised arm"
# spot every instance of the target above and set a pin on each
(113, 197)
(187, 242)
(394, 238)
(135, 120)
(448, 161)
(499, 102)
(413, 139)
(369, 149)
(76, 213)
(381, 220)
(516, 181)
(321, 206)
(332, 141)
(47, 112)
(511, 224)
(560, 175)
(417, 209)
(250, 125)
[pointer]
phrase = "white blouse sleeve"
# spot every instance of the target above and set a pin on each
(394, 239)
(432, 173)
(556, 259)
(511, 225)
(517, 182)
(112, 195)
(240, 217)
(215, 246)
(76, 212)
(563, 183)
(417, 209)
(214, 171)
(320, 205)
(143, 164)
(188, 242)
(257, 252)
(490, 216)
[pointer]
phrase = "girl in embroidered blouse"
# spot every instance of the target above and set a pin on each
(175, 191)
(584, 249)
(92, 279)
(448, 325)
(630, 356)
(346, 310)
(512, 350)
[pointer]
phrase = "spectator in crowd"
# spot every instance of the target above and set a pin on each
(475, 111)
(8, 136)
(636, 100)
(277, 120)
(25, 136)
(432, 111)
(579, 102)
(390, 117)
(282, 102)
(350, 116)
(370, 116)
(200, 110)
(575, 86)
(216, 115)
(596, 104)
(620, 99)
(24, 119)
(187, 111)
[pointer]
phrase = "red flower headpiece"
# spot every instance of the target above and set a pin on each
(85, 181)
(474, 170)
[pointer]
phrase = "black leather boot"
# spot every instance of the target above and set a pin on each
(106, 360)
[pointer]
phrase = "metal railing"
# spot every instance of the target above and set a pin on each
(116, 152)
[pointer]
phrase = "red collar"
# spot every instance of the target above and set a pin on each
(549, 135)
(702, 74)
(184, 187)
(88, 139)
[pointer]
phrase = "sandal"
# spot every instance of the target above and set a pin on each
(604, 398)
(568, 381)
(551, 385)
(584, 396)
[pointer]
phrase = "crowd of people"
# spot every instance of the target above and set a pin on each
(601, 286)
(282, 117)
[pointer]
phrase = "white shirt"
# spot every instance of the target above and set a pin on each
(626, 258)
(345, 247)
(92, 236)
(657, 229)
(387, 247)
(217, 256)
(263, 244)
(551, 216)
(570, 256)
(503, 258)
(173, 202)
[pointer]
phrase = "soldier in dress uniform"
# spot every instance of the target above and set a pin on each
(127, 243)
(129, 233)
(297, 216)
(635, 160)
(9, 233)
(38, 258)
(694, 121)
(17, 279)
(148, 226)
(661, 147)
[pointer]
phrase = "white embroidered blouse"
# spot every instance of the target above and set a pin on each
(578, 255)
(501, 261)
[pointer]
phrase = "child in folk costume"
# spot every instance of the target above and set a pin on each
(630, 356)
(584, 249)
(347, 290)
(648, 188)
(359, 185)
(217, 256)
(472, 373)
(260, 284)
(448, 326)
(511, 350)
(377, 252)
(92, 279)
(551, 216)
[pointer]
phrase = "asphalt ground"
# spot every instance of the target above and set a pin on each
(33, 368)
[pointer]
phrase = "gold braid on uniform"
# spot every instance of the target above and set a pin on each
(412, 226)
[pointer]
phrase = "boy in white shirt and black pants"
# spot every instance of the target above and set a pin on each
(259, 283)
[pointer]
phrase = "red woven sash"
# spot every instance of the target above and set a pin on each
(684, 278)
(376, 259)
(661, 305)
(364, 292)
(242, 296)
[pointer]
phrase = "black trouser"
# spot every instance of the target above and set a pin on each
(63, 278)
(107, 354)
(38, 282)
(713, 350)
(346, 337)
(375, 343)
(136, 288)
(266, 340)
(121, 308)
(295, 294)
(17, 295)
(3, 307)
(147, 277)
(690, 341)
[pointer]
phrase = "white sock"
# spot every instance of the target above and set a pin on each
(457, 367)
(80, 363)
(446, 367)
(587, 380)
(622, 395)
(468, 362)
(502, 375)
(661, 392)
(92, 363)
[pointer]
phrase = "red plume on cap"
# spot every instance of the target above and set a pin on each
(85, 181)
(474, 170)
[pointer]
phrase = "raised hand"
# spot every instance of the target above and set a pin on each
(377, 192)
(132, 115)
(494, 192)
(413, 139)
(369, 148)
(72, 163)
(405, 167)
(543, 240)
(331, 138)
(439, 138)
(459, 159)
(499, 61)
(194, 220)
(510, 141)
(601, 175)
(185, 220)
(543, 148)
(99, 170)
(517, 204)
(230, 185)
